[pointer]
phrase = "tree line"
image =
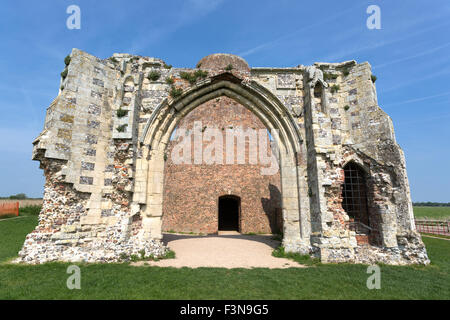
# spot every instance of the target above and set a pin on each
(19, 196)
(431, 204)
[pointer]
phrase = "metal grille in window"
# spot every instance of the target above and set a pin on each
(354, 194)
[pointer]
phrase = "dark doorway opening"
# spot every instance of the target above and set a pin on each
(354, 202)
(229, 211)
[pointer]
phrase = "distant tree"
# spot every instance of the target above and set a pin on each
(18, 196)
(431, 204)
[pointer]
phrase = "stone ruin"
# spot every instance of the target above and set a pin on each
(341, 193)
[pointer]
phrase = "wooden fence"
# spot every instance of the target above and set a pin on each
(11, 208)
(23, 202)
(440, 227)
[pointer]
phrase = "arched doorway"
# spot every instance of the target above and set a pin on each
(274, 116)
(229, 213)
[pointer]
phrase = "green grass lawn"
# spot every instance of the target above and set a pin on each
(122, 281)
(432, 212)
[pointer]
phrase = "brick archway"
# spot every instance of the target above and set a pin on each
(272, 113)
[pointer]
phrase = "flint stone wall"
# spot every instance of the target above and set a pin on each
(101, 195)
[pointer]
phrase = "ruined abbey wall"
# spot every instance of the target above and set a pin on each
(106, 134)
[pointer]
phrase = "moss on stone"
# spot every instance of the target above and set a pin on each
(175, 92)
(154, 75)
(328, 76)
(121, 113)
(335, 88)
(64, 73)
(121, 128)
(67, 60)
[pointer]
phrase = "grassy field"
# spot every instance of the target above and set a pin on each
(122, 281)
(432, 212)
(14, 230)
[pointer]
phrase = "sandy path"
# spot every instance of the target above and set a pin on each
(223, 251)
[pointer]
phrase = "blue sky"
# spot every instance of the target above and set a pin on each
(410, 55)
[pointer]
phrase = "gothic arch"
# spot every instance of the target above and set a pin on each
(273, 114)
(361, 164)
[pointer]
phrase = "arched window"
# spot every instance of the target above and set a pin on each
(318, 90)
(354, 194)
(270, 135)
(319, 97)
(173, 135)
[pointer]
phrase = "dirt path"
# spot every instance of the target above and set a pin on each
(8, 219)
(222, 251)
(425, 235)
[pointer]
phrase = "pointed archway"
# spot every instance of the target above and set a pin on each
(272, 113)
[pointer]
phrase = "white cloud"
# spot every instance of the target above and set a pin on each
(420, 54)
(417, 99)
(423, 77)
(404, 30)
(427, 119)
(292, 34)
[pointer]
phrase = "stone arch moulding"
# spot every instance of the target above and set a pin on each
(273, 114)
(355, 159)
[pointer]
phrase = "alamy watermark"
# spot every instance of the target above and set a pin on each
(374, 20)
(226, 146)
(74, 20)
(73, 281)
(374, 280)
